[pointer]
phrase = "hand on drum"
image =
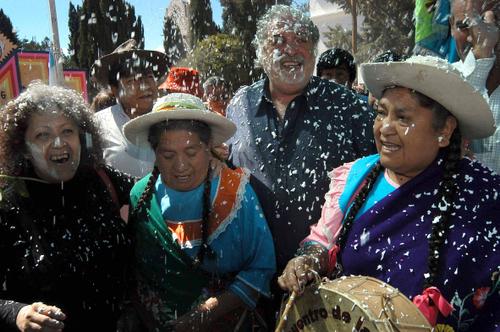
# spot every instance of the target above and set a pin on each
(298, 272)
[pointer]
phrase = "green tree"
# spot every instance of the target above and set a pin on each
(221, 55)
(172, 41)
(7, 29)
(33, 45)
(74, 26)
(103, 25)
(388, 24)
(139, 31)
(342, 38)
(202, 24)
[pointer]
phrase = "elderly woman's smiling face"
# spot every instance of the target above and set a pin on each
(182, 159)
(53, 146)
(406, 139)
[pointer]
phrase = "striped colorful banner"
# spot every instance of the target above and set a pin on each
(24, 67)
(33, 66)
(77, 80)
(9, 81)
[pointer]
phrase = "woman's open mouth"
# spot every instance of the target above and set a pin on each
(60, 158)
(390, 147)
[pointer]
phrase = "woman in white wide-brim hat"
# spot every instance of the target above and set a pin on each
(202, 245)
(417, 215)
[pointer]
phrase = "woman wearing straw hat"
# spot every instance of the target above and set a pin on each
(202, 244)
(417, 215)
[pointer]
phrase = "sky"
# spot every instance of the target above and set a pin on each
(30, 18)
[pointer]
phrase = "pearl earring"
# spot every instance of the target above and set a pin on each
(440, 139)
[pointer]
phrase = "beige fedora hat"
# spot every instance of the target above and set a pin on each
(440, 81)
(178, 106)
(154, 60)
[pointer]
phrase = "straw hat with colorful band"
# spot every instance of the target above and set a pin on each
(178, 106)
(156, 61)
(440, 81)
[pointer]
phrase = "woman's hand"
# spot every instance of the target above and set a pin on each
(198, 319)
(208, 312)
(40, 317)
(298, 272)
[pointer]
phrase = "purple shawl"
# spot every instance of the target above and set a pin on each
(390, 242)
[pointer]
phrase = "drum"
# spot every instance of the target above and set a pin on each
(354, 304)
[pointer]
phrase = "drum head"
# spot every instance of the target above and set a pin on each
(355, 303)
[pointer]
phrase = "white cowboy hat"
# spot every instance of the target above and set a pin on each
(440, 81)
(178, 106)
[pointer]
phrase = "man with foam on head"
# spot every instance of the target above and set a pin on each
(294, 127)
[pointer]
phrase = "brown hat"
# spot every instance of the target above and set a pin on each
(183, 80)
(154, 60)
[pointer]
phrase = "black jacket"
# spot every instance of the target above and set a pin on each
(65, 245)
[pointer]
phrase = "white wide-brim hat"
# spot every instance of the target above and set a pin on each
(440, 81)
(178, 106)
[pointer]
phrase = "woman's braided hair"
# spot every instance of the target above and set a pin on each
(446, 192)
(148, 191)
(204, 133)
(205, 248)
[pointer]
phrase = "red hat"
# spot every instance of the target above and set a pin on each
(183, 79)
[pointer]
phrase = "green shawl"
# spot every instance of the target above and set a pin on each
(163, 269)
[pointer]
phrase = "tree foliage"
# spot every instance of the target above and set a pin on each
(342, 38)
(172, 41)
(388, 24)
(74, 25)
(221, 55)
(33, 45)
(202, 24)
(7, 29)
(103, 25)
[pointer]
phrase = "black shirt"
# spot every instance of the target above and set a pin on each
(324, 127)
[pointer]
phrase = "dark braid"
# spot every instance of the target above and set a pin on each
(447, 188)
(357, 204)
(444, 207)
(205, 221)
(148, 191)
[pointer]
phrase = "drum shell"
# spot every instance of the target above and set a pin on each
(355, 303)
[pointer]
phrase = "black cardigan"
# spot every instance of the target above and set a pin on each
(66, 245)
